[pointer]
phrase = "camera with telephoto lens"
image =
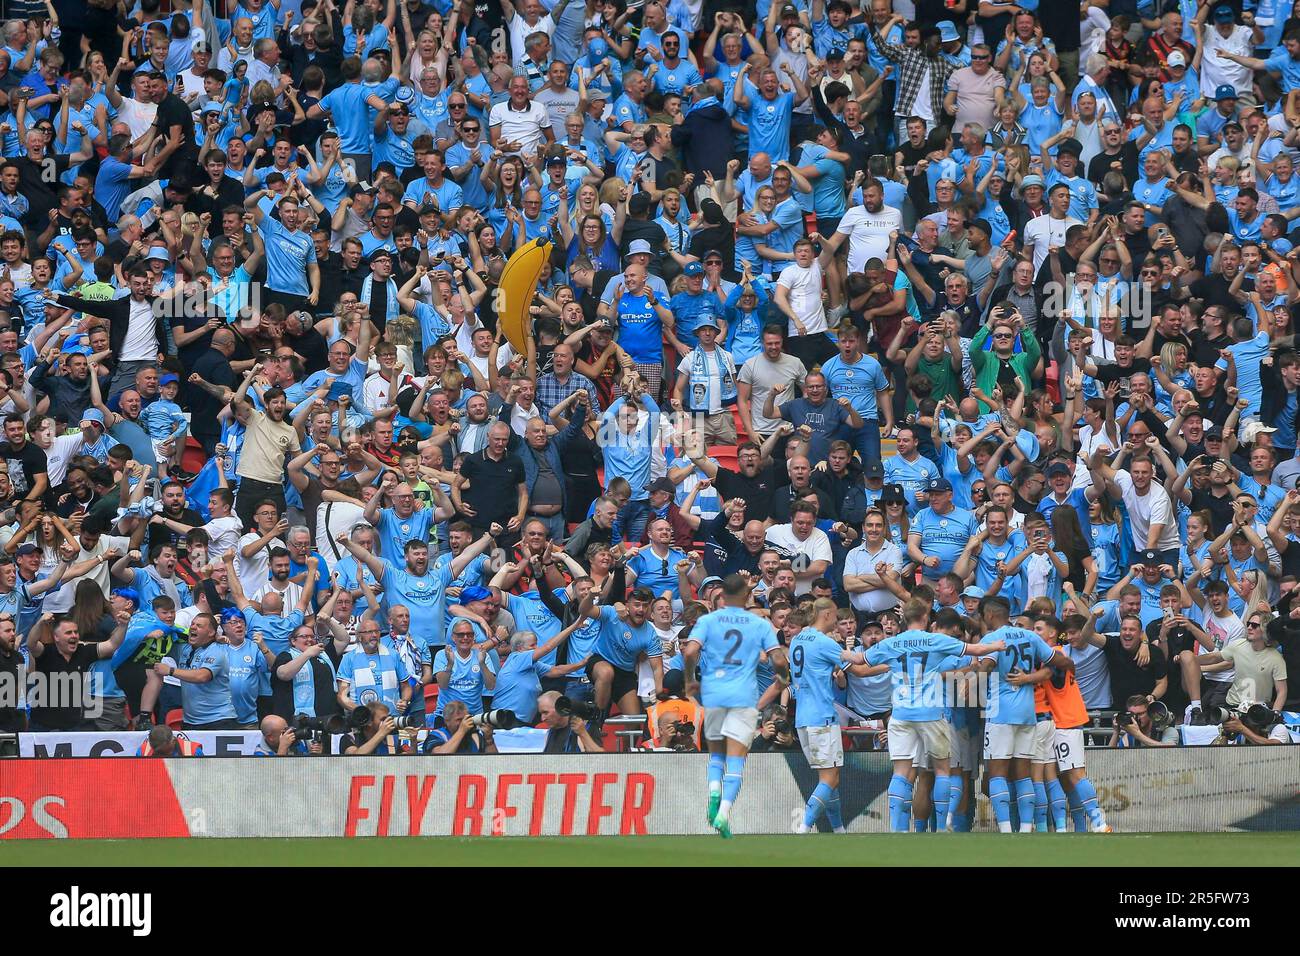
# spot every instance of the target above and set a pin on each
(685, 728)
(1260, 717)
(568, 707)
(308, 729)
(496, 719)
(783, 725)
(407, 721)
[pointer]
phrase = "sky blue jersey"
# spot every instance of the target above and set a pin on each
(731, 640)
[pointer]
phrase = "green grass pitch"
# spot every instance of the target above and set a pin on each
(969, 849)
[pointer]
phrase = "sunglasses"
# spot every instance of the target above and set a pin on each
(455, 106)
(1254, 624)
(982, 57)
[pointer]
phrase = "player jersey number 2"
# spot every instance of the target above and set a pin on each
(735, 637)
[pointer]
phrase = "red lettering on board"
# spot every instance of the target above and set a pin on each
(356, 812)
(571, 782)
(503, 810)
(638, 801)
(471, 791)
(386, 805)
(599, 809)
(418, 792)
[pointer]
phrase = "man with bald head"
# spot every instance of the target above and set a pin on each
(728, 551)
(406, 519)
(799, 470)
(562, 381)
(492, 487)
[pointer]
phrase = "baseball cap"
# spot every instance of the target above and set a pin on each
(1224, 14)
(693, 269)
(708, 320)
(1214, 431)
(212, 108)
(983, 226)
(835, 54)
(557, 161)
(1224, 92)
(1176, 59)
(1056, 468)
(712, 254)
(1149, 556)
(873, 469)
(938, 484)
(201, 47)
(28, 548)
(1253, 430)
(948, 31)
(92, 416)
(661, 484)
(712, 579)
(1031, 180)
(168, 378)
(972, 591)
(638, 246)
(379, 254)
(158, 252)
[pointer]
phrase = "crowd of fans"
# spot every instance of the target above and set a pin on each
(1044, 253)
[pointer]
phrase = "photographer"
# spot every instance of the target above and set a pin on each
(278, 740)
(370, 738)
(674, 712)
(459, 734)
(775, 731)
(566, 733)
(1135, 728)
(1258, 726)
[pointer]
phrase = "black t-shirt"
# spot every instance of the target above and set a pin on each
(172, 111)
(493, 491)
(1111, 372)
(756, 492)
(11, 718)
(1205, 351)
(785, 496)
(1127, 157)
(313, 348)
(34, 181)
(1213, 289)
(1126, 678)
(1178, 639)
(651, 232)
(25, 464)
(1219, 507)
(51, 664)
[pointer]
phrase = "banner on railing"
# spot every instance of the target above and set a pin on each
(1210, 789)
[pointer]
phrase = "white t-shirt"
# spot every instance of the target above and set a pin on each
(253, 571)
(332, 519)
(1145, 510)
(141, 342)
(137, 116)
(60, 599)
(520, 126)
(868, 233)
(58, 455)
(861, 561)
(1042, 232)
(805, 288)
(1222, 631)
(224, 534)
(519, 32)
(816, 548)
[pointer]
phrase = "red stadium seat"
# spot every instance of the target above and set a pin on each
(175, 718)
(430, 695)
(1054, 382)
(724, 455)
(740, 425)
(193, 458)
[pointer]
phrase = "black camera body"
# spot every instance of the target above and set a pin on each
(568, 707)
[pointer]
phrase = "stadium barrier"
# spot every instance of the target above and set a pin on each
(1208, 789)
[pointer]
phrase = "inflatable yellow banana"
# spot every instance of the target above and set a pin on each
(515, 291)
